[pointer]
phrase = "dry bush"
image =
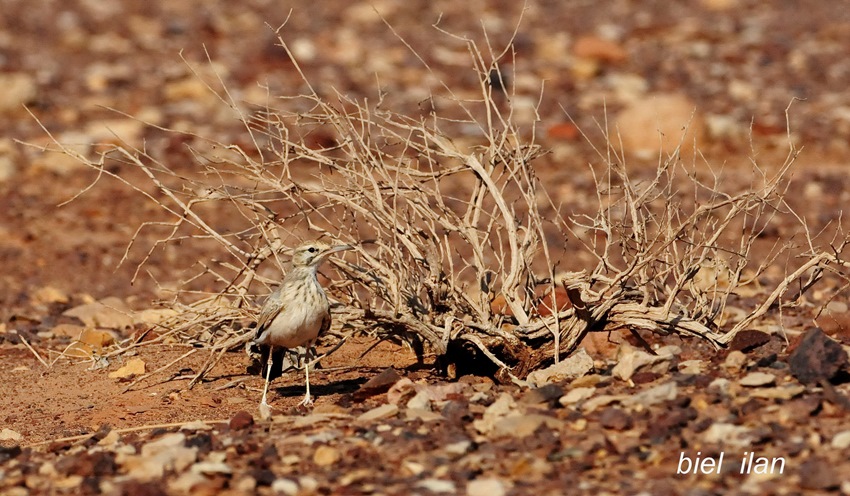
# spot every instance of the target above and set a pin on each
(458, 244)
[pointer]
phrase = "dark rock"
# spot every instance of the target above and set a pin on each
(242, 420)
(378, 384)
(549, 393)
(748, 340)
(615, 418)
(817, 357)
(816, 473)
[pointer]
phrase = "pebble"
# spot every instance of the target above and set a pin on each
(576, 365)
(109, 313)
(241, 420)
(632, 360)
(133, 367)
(841, 440)
(599, 49)
(576, 394)
(326, 455)
(758, 379)
(437, 485)
(486, 486)
(285, 486)
(659, 122)
(735, 360)
(384, 411)
(19, 88)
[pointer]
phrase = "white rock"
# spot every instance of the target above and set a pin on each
(631, 360)
(285, 486)
(783, 392)
(458, 448)
(576, 365)
(729, 434)
(652, 396)
(19, 88)
(10, 435)
(165, 454)
(841, 440)
(500, 408)
(576, 394)
(378, 413)
(437, 485)
(691, 367)
(486, 486)
(735, 360)
(758, 379)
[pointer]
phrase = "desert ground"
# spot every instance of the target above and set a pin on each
(745, 82)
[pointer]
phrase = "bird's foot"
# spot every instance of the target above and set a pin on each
(265, 410)
(307, 402)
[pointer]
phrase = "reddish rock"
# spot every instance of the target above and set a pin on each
(242, 420)
(599, 49)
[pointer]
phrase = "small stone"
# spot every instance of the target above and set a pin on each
(241, 420)
(615, 418)
(133, 367)
(691, 367)
(503, 405)
(730, 434)
(783, 392)
(437, 485)
(653, 396)
(167, 453)
(458, 448)
(98, 339)
(748, 340)
(19, 88)
(49, 294)
(599, 49)
(109, 313)
(211, 468)
(818, 474)
(9, 435)
(576, 394)
(110, 439)
(841, 440)
(285, 486)
(486, 486)
(631, 360)
(757, 379)
(420, 401)
(835, 308)
(196, 425)
(326, 455)
(576, 365)
(735, 360)
(546, 394)
(378, 384)
(519, 426)
(382, 412)
(816, 357)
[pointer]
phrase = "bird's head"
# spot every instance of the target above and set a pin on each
(313, 253)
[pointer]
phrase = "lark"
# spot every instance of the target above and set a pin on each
(297, 312)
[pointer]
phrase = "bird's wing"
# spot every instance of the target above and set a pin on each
(326, 323)
(271, 308)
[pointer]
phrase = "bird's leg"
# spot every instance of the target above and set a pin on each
(263, 403)
(308, 400)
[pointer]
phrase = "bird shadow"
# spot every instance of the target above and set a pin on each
(346, 386)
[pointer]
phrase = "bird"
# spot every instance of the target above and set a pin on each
(297, 312)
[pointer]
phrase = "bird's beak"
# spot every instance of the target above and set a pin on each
(337, 248)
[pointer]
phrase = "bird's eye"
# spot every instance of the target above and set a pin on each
(312, 249)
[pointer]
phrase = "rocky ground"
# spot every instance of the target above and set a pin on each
(766, 416)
